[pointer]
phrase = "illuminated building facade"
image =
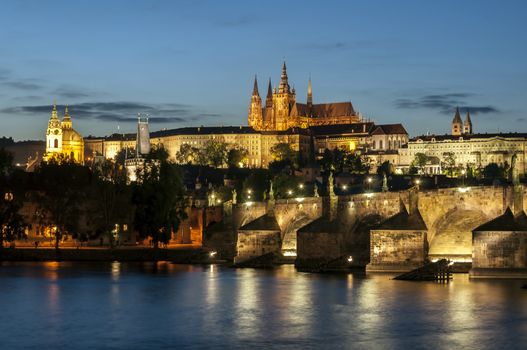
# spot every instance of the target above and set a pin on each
(467, 148)
(62, 139)
(281, 110)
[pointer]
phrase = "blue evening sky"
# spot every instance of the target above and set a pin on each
(193, 62)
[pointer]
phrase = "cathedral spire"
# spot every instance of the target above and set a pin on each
(467, 124)
(255, 87)
(309, 93)
(269, 98)
(54, 114)
(457, 124)
(284, 84)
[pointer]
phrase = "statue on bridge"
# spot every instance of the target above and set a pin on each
(316, 195)
(234, 196)
(271, 191)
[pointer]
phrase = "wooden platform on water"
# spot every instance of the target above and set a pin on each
(438, 271)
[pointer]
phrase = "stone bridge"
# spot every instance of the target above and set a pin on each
(449, 214)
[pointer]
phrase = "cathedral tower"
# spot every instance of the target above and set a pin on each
(467, 124)
(283, 99)
(457, 124)
(255, 108)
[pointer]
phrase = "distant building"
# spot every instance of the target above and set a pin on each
(307, 127)
(62, 139)
(136, 162)
(282, 111)
(467, 148)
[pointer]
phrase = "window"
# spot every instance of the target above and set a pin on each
(56, 143)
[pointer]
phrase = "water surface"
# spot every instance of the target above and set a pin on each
(167, 306)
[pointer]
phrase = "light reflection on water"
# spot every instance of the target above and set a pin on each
(162, 305)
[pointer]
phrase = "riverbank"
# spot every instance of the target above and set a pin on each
(190, 254)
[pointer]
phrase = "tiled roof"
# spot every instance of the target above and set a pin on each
(389, 129)
(447, 137)
(341, 129)
(326, 110)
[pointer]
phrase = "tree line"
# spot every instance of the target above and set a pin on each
(93, 202)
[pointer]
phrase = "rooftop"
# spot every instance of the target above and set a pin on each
(505, 222)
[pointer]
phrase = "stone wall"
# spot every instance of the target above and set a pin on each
(256, 243)
(394, 250)
(505, 250)
(293, 214)
(318, 246)
(451, 215)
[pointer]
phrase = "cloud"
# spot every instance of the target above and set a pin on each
(4, 73)
(520, 119)
(344, 45)
(238, 22)
(445, 103)
(120, 111)
(27, 85)
(68, 92)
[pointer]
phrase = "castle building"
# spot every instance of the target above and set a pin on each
(282, 111)
(62, 139)
(467, 148)
(306, 127)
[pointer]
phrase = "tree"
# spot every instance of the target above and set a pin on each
(419, 162)
(187, 154)
(111, 198)
(333, 160)
(282, 152)
(12, 225)
(386, 168)
(215, 153)
(236, 157)
(286, 186)
(123, 154)
(257, 184)
(356, 163)
(449, 162)
(494, 171)
(61, 189)
(159, 201)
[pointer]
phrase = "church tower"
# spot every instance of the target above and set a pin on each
(467, 124)
(457, 124)
(283, 99)
(255, 108)
(66, 121)
(54, 133)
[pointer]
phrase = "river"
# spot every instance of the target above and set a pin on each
(166, 306)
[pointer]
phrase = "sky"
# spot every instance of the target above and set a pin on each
(191, 63)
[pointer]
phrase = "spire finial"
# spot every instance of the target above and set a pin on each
(284, 84)
(255, 87)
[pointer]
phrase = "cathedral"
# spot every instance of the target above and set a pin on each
(62, 139)
(282, 111)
